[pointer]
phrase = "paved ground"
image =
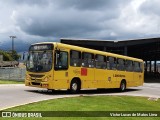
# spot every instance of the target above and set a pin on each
(14, 95)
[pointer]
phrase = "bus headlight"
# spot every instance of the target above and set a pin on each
(45, 79)
(27, 77)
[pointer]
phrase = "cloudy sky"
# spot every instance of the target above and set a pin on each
(49, 20)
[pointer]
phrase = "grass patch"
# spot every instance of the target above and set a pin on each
(11, 82)
(96, 103)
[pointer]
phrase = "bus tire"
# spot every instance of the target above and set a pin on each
(51, 90)
(123, 86)
(74, 86)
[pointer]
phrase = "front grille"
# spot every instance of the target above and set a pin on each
(36, 76)
(34, 83)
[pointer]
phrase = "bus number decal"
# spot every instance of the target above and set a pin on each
(83, 71)
(77, 72)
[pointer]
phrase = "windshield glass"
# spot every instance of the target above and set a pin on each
(39, 61)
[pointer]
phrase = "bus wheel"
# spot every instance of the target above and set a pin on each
(74, 87)
(123, 86)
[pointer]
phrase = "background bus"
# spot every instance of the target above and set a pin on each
(60, 66)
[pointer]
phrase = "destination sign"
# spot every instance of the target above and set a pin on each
(41, 47)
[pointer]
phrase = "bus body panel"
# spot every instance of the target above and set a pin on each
(130, 79)
(87, 78)
(120, 75)
(101, 77)
(90, 77)
(61, 79)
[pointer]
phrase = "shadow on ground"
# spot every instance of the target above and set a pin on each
(85, 92)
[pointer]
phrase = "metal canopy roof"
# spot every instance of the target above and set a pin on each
(146, 49)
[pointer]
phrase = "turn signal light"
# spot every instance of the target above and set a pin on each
(45, 85)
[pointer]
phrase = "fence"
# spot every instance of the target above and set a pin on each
(12, 73)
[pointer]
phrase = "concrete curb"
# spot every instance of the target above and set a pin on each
(11, 85)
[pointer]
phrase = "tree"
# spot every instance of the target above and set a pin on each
(14, 55)
(8, 56)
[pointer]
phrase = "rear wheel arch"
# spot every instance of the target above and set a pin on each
(123, 85)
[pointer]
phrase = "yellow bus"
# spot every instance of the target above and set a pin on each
(57, 66)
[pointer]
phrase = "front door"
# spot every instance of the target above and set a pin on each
(61, 70)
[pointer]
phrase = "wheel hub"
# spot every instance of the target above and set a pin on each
(74, 86)
(123, 86)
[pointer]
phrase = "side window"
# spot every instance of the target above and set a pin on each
(120, 64)
(137, 67)
(61, 60)
(111, 63)
(87, 60)
(141, 67)
(129, 65)
(75, 58)
(100, 62)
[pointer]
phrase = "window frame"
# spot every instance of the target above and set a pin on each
(79, 59)
(132, 67)
(101, 62)
(56, 68)
(114, 67)
(139, 69)
(87, 60)
(119, 66)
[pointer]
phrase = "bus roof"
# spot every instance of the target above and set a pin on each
(89, 50)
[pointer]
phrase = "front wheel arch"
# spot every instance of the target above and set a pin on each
(75, 85)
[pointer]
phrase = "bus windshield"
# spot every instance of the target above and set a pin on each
(39, 61)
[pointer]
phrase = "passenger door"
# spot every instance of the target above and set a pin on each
(61, 70)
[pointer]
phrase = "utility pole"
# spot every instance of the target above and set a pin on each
(12, 37)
